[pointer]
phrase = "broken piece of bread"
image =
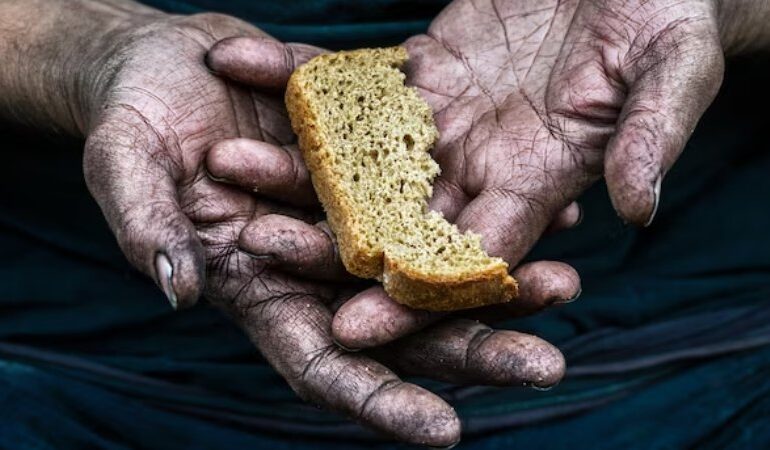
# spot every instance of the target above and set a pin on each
(365, 138)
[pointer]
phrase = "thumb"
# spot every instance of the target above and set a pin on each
(258, 61)
(510, 221)
(670, 86)
(126, 173)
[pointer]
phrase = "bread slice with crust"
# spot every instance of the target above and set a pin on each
(365, 138)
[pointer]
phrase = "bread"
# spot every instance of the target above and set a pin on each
(365, 138)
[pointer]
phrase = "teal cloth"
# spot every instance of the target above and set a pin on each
(666, 347)
(333, 24)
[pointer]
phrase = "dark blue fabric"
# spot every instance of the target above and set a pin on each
(332, 24)
(666, 347)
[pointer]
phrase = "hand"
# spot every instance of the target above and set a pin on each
(150, 132)
(536, 102)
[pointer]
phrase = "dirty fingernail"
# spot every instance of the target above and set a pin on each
(164, 273)
(268, 257)
(580, 216)
(347, 349)
(571, 299)
(539, 388)
(448, 447)
(656, 200)
(218, 179)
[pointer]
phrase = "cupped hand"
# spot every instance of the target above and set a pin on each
(157, 114)
(536, 101)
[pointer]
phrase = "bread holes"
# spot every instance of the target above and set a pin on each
(375, 135)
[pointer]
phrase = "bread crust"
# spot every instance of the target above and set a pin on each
(359, 261)
(434, 293)
(417, 290)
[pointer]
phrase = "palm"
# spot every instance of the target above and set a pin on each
(179, 110)
(526, 104)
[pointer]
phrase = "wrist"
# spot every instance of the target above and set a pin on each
(744, 25)
(94, 71)
(57, 66)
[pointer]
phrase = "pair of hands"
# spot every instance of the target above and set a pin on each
(534, 103)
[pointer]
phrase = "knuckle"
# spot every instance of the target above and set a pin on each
(211, 17)
(213, 24)
(314, 369)
(290, 60)
(478, 337)
(370, 401)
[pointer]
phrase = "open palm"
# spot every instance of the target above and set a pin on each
(537, 100)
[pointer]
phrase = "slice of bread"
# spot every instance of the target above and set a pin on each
(365, 138)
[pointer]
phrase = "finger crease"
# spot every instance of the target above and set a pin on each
(475, 343)
(320, 355)
(384, 387)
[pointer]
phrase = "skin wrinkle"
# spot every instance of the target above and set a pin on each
(385, 386)
(547, 32)
(317, 359)
(571, 158)
(475, 343)
(334, 259)
(121, 172)
(157, 153)
(260, 134)
(544, 110)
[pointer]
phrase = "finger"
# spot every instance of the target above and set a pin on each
(542, 284)
(258, 61)
(135, 188)
(448, 198)
(510, 221)
(371, 318)
(272, 171)
(466, 351)
(291, 329)
(567, 218)
(673, 83)
(293, 246)
(264, 207)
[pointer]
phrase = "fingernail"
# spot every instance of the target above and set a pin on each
(217, 179)
(656, 200)
(571, 299)
(347, 349)
(268, 257)
(164, 273)
(539, 388)
(448, 447)
(580, 216)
